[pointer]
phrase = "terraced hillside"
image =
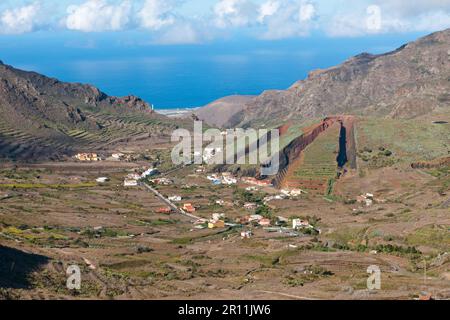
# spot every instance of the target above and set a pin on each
(43, 118)
(317, 163)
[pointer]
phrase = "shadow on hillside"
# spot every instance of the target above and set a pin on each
(16, 267)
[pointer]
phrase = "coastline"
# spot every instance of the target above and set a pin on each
(177, 112)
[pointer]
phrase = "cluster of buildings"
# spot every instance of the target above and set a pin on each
(93, 157)
(208, 154)
(88, 157)
(284, 194)
(162, 181)
(255, 218)
(217, 221)
(132, 179)
(226, 178)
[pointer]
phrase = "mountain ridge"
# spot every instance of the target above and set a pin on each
(409, 82)
(43, 117)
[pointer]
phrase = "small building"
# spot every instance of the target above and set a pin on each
(299, 223)
(133, 176)
(89, 157)
(246, 234)
(130, 183)
(264, 222)
(229, 180)
(102, 179)
(218, 216)
(216, 224)
(175, 198)
(117, 156)
(165, 210)
(200, 169)
(220, 202)
(188, 207)
(162, 181)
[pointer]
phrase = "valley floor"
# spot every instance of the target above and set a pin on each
(56, 215)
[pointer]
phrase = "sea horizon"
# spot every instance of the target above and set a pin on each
(191, 76)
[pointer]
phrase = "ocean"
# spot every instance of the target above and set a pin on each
(188, 76)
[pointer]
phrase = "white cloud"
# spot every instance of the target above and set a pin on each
(290, 19)
(19, 20)
(234, 13)
(268, 9)
(98, 15)
(307, 12)
(156, 14)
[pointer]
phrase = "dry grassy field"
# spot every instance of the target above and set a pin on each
(55, 214)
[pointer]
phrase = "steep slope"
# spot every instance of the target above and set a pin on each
(42, 117)
(409, 82)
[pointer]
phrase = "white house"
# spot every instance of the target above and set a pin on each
(117, 156)
(299, 223)
(246, 234)
(175, 198)
(130, 183)
(217, 216)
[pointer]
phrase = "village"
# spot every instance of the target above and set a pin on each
(149, 228)
(254, 215)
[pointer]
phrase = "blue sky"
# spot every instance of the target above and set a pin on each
(169, 22)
